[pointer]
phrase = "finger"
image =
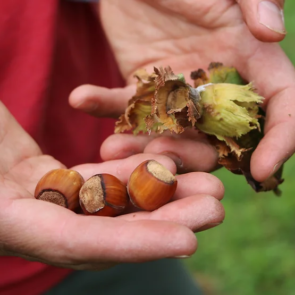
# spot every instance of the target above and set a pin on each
(189, 155)
(195, 183)
(278, 144)
(193, 204)
(101, 101)
(195, 212)
(16, 145)
(123, 168)
(274, 79)
(119, 146)
(51, 233)
(265, 19)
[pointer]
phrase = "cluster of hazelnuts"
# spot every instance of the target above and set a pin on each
(149, 187)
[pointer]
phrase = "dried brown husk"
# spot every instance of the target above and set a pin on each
(139, 106)
(164, 101)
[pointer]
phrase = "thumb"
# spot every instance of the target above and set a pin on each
(101, 101)
(265, 19)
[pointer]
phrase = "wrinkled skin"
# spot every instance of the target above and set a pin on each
(192, 36)
(41, 231)
(188, 35)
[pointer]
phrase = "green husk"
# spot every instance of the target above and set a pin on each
(222, 105)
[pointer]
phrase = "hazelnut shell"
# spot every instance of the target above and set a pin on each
(151, 185)
(103, 195)
(60, 186)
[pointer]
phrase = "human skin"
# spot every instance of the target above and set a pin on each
(188, 35)
(44, 232)
(185, 35)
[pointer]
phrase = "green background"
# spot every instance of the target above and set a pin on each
(253, 251)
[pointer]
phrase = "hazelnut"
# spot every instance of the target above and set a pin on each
(151, 185)
(61, 187)
(103, 195)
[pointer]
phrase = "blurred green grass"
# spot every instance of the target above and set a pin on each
(253, 251)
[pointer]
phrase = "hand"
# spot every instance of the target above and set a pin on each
(42, 231)
(188, 35)
(264, 19)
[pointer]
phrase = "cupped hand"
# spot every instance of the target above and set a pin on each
(188, 35)
(40, 231)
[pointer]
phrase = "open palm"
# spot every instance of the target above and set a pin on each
(42, 231)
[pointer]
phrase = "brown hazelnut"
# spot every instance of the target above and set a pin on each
(61, 187)
(103, 195)
(151, 185)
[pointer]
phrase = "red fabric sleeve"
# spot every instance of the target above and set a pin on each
(47, 49)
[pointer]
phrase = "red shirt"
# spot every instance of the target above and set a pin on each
(47, 48)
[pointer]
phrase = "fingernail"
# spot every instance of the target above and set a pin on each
(209, 225)
(123, 154)
(87, 106)
(277, 167)
(271, 16)
(181, 256)
(176, 159)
